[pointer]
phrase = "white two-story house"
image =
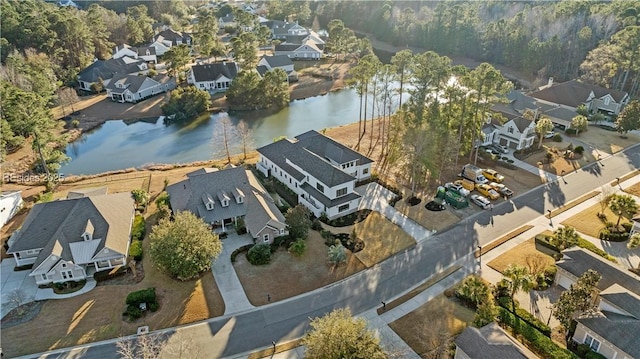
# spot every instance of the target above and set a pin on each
(322, 172)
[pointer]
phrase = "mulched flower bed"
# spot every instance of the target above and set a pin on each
(22, 314)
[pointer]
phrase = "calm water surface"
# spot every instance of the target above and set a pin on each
(118, 145)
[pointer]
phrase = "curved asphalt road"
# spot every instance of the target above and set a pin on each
(289, 319)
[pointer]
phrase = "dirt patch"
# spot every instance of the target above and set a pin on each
(287, 275)
(601, 140)
(589, 223)
(382, 239)
(96, 315)
(525, 254)
(433, 325)
(634, 190)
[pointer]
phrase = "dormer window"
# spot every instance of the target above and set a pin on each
(239, 199)
(64, 265)
(87, 235)
(223, 198)
(225, 203)
(208, 201)
(148, 52)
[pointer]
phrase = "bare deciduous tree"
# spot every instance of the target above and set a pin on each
(244, 132)
(16, 299)
(223, 133)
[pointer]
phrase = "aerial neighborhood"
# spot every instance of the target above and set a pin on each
(320, 179)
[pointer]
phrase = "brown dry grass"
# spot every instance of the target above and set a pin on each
(520, 254)
(287, 275)
(382, 239)
(96, 315)
(587, 221)
(422, 328)
(502, 240)
(607, 141)
(634, 190)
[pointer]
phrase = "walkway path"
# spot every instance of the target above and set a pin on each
(235, 299)
(47, 293)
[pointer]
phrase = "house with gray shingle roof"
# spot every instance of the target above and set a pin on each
(612, 330)
(69, 240)
(490, 342)
(133, 88)
(146, 53)
(283, 62)
(572, 94)
(102, 71)
(322, 172)
(222, 197)
(216, 77)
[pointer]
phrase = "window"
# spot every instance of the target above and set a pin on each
(67, 274)
(44, 276)
(265, 237)
(341, 192)
(281, 231)
(320, 187)
(365, 171)
(510, 129)
(606, 101)
(592, 343)
(343, 208)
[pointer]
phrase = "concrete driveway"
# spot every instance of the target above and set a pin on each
(11, 281)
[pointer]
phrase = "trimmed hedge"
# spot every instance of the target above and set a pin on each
(142, 296)
(607, 235)
(505, 302)
(242, 249)
(539, 343)
(135, 250)
(583, 243)
(137, 229)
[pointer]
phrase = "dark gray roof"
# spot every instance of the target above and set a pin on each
(257, 204)
(66, 220)
(489, 342)
(172, 36)
(130, 82)
(579, 260)
(521, 102)
(212, 72)
(522, 123)
(286, 47)
(325, 200)
(105, 69)
(323, 146)
(574, 93)
(278, 61)
(619, 330)
(262, 69)
(621, 298)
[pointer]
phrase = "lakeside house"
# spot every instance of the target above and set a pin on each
(100, 72)
(71, 239)
(270, 63)
(133, 88)
(572, 94)
(322, 172)
(224, 197)
(167, 38)
(215, 77)
(146, 53)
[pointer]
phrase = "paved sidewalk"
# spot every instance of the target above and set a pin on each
(235, 299)
(545, 176)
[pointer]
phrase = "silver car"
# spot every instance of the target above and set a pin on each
(481, 201)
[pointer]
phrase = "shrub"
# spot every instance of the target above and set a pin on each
(569, 131)
(142, 296)
(241, 228)
(607, 235)
(582, 350)
(530, 319)
(138, 229)
(540, 343)
(298, 247)
(75, 123)
(579, 150)
(163, 199)
(259, 254)
(135, 250)
(316, 225)
(133, 312)
(627, 227)
(557, 137)
(153, 306)
(583, 243)
(593, 355)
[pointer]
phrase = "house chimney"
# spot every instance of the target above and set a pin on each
(550, 83)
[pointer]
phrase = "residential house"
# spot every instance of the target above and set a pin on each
(572, 94)
(307, 50)
(101, 71)
(516, 132)
(10, 204)
(69, 240)
(612, 330)
(322, 172)
(489, 342)
(147, 53)
(167, 38)
(282, 29)
(278, 62)
(222, 197)
(215, 77)
(226, 21)
(134, 88)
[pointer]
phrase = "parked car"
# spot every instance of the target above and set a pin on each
(549, 134)
(488, 191)
(465, 183)
(493, 175)
(501, 188)
(490, 150)
(500, 148)
(457, 188)
(481, 201)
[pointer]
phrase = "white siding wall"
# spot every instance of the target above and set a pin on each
(607, 349)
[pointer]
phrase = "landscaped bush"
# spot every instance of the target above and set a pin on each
(607, 235)
(505, 302)
(298, 247)
(349, 219)
(569, 131)
(135, 250)
(142, 296)
(137, 229)
(539, 343)
(259, 254)
(593, 355)
(242, 249)
(579, 150)
(316, 225)
(583, 243)
(241, 228)
(133, 312)
(557, 137)
(163, 199)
